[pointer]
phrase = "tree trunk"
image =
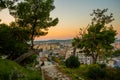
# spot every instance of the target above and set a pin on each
(33, 33)
(32, 44)
(94, 57)
(24, 56)
(32, 51)
(94, 60)
(74, 50)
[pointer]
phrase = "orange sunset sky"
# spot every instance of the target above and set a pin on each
(74, 14)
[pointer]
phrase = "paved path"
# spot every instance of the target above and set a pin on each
(52, 72)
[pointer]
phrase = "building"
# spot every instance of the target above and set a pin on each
(117, 43)
(114, 62)
(81, 56)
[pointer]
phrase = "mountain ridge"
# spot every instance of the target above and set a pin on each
(53, 41)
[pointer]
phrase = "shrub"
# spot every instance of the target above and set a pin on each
(102, 65)
(112, 74)
(95, 72)
(72, 62)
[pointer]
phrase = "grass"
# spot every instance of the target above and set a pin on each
(83, 71)
(10, 70)
(74, 73)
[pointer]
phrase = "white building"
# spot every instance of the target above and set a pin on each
(68, 53)
(114, 62)
(81, 56)
(117, 43)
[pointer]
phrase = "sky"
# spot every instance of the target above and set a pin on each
(73, 15)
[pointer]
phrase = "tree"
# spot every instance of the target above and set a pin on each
(31, 15)
(6, 3)
(77, 40)
(75, 43)
(97, 41)
(12, 41)
(35, 16)
(2, 4)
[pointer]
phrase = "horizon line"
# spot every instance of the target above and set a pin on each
(53, 39)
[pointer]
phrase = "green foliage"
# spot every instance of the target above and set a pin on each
(12, 41)
(12, 71)
(90, 72)
(116, 53)
(100, 72)
(35, 16)
(74, 73)
(72, 62)
(6, 3)
(112, 74)
(97, 39)
(101, 16)
(30, 61)
(102, 65)
(95, 72)
(75, 43)
(2, 4)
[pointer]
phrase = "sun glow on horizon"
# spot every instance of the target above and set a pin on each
(73, 16)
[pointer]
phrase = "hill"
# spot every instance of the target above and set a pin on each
(10, 70)
(52, 41)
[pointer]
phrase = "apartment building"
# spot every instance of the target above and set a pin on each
(117, 43)
(81, 56)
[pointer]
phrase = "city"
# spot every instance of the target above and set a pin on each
(59, 40)
(64, 48)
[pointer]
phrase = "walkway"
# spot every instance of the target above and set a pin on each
(52, 72)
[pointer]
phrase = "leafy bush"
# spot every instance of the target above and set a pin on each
(102, 65)
(112, 74)
(72, 62)
(95, 72)
(92, 72)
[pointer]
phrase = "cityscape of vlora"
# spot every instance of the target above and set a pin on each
(59, 39)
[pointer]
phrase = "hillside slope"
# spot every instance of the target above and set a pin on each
(10, 70)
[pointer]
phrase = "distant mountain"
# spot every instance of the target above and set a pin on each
(67, 40)
(52, 41)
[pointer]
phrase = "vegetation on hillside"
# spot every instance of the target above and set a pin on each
(32, 16)
(10, 70)
(91, 72)
(13, 41)
(32, 19)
